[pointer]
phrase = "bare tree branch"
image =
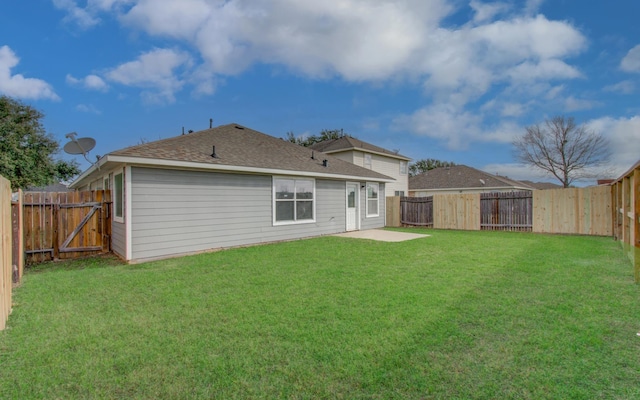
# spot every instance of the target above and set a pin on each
(563, 149)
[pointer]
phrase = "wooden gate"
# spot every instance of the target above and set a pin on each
(506, 211)
(417, 211)
(66, 225)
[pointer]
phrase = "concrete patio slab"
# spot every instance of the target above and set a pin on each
(382, 235)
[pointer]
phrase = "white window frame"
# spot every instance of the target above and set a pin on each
(371, 213)
(367, 160)
(403, 167)
(274, 201)
(118, 197)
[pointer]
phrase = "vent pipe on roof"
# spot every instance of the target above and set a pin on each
(325, 163)
(183, 130)
(210, 123)
(313, 155)
(214, 155)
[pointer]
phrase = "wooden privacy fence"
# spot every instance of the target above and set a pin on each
(6, 266)
(506, 211)
(626, 214)
(584, 211)
(417, 211)
(66, 225)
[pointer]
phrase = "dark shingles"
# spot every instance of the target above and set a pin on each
(347, 143)
(461, 176)
(236, 145)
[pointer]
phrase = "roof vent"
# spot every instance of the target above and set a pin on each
(239, 127)
(213, 154)
(325, 163)
(313, 155)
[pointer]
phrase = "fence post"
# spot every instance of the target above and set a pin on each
(393, 211)
(6, 264)
(17, 247)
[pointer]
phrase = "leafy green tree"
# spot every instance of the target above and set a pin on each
(325, 134)
(424, 165)
(26, 150)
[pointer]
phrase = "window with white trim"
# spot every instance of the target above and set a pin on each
(118, 197)
(367, 161)
(372, 199)
(403, 167)
(294, 200)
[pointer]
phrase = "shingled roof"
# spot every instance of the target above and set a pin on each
(237, 148)
(462, 177)
(347, 143)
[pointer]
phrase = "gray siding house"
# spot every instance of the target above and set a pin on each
(230, 186)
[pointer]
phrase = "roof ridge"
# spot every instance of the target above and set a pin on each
(177, 137)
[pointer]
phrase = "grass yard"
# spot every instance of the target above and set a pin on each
(458, 315)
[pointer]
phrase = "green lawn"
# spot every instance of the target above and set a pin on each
(458, 315)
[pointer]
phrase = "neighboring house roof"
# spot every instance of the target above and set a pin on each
(347, 143)
(462, 177)
(542, 185)
(237, 149)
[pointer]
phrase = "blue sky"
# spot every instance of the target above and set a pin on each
(446, 79)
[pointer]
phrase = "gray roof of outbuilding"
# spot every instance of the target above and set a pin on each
(347, 143)
(241, 147)
(461, 177)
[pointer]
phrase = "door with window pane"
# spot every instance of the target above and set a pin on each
(352, 206)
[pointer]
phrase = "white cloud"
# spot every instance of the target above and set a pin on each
(487, 11)
(155, 71)
(87, 17)
(631, 62)
(88, 108)
(76, 14)
(17, 85)
(455, 126)
(624, 140)
(624, 87)
(92, 82)
(572, 103)
(533, 6)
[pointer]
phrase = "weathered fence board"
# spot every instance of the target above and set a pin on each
(417, 211)
(506, 211)
(66, 225)
(6, 265)
(17, 245)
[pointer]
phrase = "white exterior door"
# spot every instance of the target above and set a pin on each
(352, 206)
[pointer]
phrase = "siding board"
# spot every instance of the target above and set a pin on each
(180, 212)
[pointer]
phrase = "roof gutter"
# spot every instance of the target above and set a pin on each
(153, 162)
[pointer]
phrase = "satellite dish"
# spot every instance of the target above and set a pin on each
(79, 146)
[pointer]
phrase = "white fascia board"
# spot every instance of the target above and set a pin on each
(88, 172)
(153, 162)
(396, 156)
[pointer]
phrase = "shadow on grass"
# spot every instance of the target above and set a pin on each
(89, 262)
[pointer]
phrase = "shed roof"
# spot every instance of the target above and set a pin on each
(347, 143)
(238, 149)
(462, 177)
